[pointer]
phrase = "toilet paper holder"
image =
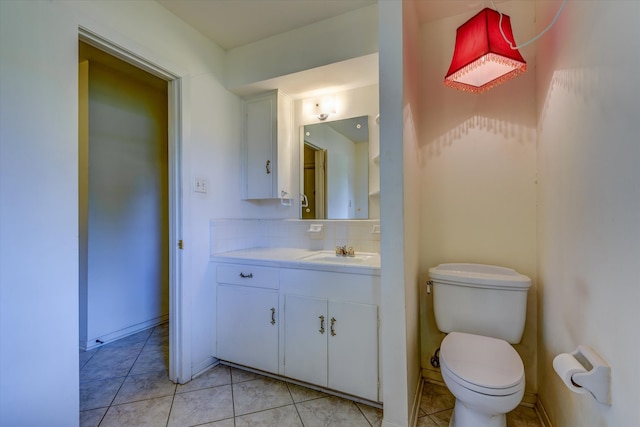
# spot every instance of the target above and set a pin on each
(596, 376)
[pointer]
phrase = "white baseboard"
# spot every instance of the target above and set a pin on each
(432, 376)
(96, 342)
(529, 400)
(542, 414)
(204, 365)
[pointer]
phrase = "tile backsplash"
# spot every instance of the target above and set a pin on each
(233, 234)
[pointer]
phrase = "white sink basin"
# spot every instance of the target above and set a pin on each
(330, 257)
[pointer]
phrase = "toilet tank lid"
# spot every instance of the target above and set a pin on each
(479, 274)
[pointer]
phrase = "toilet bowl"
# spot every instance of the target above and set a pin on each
(486, 376)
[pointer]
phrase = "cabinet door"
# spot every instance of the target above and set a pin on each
(259, 147)
(267, 145)
(305, 329)
(284, 146)
(247, 327)
(353, 348)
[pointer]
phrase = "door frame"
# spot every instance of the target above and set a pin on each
(179, 350)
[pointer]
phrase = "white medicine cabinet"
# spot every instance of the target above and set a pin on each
(266, 146)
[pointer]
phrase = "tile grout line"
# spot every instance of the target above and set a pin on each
(116, 393)
(295, 404)
(362, 413)
(127, 376)
(129, 371)
(233, 400)
(175, 389)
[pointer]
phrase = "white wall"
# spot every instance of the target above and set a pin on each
(411, 200)
(127, 238)
(477, 160)
(399, 331)
(39, 186)
(38, 215)
(589, 203)
(350, 35)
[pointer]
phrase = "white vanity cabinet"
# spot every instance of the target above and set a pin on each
(330, 330)
(247, 316)
(267, 146)
(333, 344)
(313, 323)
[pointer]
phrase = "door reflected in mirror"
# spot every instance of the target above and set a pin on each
(335, 170)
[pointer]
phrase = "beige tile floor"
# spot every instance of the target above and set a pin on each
(125, 383)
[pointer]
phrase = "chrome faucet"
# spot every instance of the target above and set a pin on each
(345, 251)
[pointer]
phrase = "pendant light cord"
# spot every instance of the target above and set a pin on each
(564, 2)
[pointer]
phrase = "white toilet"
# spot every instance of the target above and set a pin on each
(482, 308)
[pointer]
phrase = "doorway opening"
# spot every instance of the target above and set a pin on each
(315, 182)
(140, 212)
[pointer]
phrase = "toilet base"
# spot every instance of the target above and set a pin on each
(464, 416)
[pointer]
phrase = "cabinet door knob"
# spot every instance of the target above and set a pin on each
(333, 323)
(273, 316)
(321, 324)
(268, 166)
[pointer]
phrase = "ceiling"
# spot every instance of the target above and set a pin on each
(234, 23)
(332, 78)
(433, 10)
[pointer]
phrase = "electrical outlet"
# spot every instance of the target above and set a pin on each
(200, 185)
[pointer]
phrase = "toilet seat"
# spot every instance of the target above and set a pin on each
(482, 364)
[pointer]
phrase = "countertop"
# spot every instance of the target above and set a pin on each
(368, 263)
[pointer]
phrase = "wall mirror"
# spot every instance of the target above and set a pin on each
(335, 169)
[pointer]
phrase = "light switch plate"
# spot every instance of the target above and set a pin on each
(200, 184)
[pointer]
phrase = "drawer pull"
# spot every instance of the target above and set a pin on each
(246, 276)
(333, 329)
(273, 316)
(321, 324)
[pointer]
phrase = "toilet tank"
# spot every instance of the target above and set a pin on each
(480, 299)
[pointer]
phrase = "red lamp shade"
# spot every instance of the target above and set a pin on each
(482, 58)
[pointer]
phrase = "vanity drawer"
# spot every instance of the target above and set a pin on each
(249, 275)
